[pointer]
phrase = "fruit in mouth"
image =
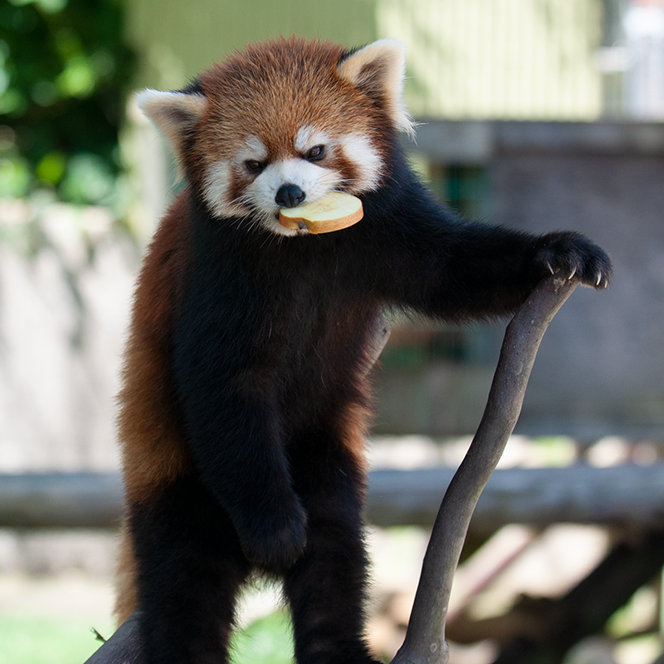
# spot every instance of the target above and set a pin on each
(329, 213)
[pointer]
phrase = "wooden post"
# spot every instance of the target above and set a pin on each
(425, 638)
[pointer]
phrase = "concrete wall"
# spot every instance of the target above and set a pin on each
(66, 281)
(600, 369)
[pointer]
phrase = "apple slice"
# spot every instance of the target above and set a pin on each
(331, 212)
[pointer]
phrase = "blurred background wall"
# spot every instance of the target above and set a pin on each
(537, 114)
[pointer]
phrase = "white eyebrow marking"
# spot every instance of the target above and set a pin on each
(253, 148)
(307, 137)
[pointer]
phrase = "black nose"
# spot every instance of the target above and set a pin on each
(289, 196)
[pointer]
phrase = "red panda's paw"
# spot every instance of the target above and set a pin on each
(275, 541)
(574, 256)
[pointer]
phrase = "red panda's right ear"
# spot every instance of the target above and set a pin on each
(379, 70)
(174, 114)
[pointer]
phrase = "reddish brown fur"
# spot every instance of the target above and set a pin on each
(126, 600)
(305, 89)
(152, 446)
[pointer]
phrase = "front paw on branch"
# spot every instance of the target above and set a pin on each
(573, 255)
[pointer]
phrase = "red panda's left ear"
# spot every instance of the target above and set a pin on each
(175, 114)
(379, 70)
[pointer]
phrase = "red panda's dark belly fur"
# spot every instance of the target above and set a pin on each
(317, 356)
(212, 321)
(273, 325)
(278, 326)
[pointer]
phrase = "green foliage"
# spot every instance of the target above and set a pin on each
(64, 72)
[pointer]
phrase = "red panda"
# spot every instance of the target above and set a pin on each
(245, 397)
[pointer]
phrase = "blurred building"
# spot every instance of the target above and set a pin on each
(538, 114)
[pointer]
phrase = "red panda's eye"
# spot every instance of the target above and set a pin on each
(254, 166)
(316, 153)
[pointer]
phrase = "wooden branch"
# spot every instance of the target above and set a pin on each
(425, 641)
(123, 647)
(425, 638)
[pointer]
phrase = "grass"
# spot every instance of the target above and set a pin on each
(266, 641)
(33, 640)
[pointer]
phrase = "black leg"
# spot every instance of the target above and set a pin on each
(326, 587)
(190, 569)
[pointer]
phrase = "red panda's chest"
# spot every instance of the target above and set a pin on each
(313, 344)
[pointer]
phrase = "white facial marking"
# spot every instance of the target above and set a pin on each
(215, 187)
(359, 150)
(215, 190)
(308, 137)
(314, 180)
(254, 149)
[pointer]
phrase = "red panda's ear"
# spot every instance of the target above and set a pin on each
(174, 113)
(379, 70)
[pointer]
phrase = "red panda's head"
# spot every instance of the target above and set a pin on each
(284, 122)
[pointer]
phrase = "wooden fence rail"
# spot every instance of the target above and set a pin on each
(542, 496)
